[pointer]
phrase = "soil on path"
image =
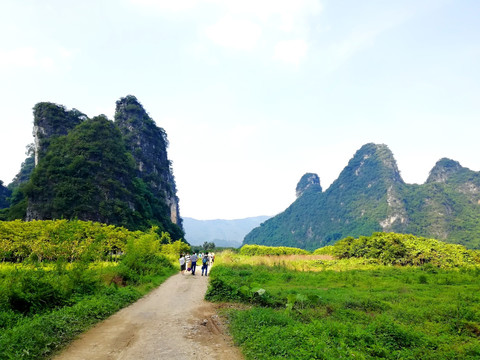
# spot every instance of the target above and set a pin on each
(171, 322)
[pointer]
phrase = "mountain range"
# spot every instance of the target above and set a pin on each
(370, 196)
(224, 233)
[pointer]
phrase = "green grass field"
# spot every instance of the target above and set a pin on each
(349, 309)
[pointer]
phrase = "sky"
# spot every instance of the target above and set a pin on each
(253, 94)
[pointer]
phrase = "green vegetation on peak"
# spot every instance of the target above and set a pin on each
(308, 182)
(148, 145)
(25, 169)
(4, 195)
(51, 120)
(443, 169)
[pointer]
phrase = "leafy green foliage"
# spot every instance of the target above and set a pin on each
(4, 194)
(403, 249)
(16, 205)
(208, 246)
(56, 121)
(175, 248)
(26, 169)
(61, 240)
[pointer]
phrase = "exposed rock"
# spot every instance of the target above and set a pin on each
(50, 120)
(443, 169)
(96, 169)
(148, 144)
(308, 181)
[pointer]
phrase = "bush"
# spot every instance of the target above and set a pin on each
(404, 249)
(142, 259)
(51, 240)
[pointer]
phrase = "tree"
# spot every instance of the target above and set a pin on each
(208, 246)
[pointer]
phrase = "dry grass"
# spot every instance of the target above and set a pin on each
(312, 263)
(292, 262)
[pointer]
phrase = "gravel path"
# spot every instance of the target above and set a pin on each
(171, 322)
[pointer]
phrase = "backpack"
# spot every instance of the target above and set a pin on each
(204, 260)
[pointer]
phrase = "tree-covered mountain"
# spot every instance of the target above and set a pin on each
(370, 196)
(4, 195)
(225, 233)
(95, 169)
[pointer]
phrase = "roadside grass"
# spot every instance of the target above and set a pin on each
(46, 305)
(353, 308)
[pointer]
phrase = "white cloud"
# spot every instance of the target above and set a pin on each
(29, 57)
(24, 57)
(291, 51)
(68, 53)
(168, 5)
(230, 32)
(241, 24)
(287, 13)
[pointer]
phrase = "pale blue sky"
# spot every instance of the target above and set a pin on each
(253, 94)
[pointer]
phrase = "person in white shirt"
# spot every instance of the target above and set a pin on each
(182, 263)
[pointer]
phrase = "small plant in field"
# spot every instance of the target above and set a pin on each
(422, 279)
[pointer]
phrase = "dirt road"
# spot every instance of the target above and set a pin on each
(172, 322)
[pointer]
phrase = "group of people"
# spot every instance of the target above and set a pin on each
(189, 262)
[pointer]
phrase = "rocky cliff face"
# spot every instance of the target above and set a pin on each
(443, 169)
(370, 195)
(148, 144)
(309, 182)
(372, 181)
(51, 120)
(95, 169)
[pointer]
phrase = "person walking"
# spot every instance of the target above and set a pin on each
(194, 259)
(182, 263)
(205, 262)
(188, 263)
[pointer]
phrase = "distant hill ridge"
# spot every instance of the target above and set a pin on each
(225, 233)
(369, 196)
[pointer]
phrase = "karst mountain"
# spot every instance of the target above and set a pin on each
(115, 172)
(370, 196)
